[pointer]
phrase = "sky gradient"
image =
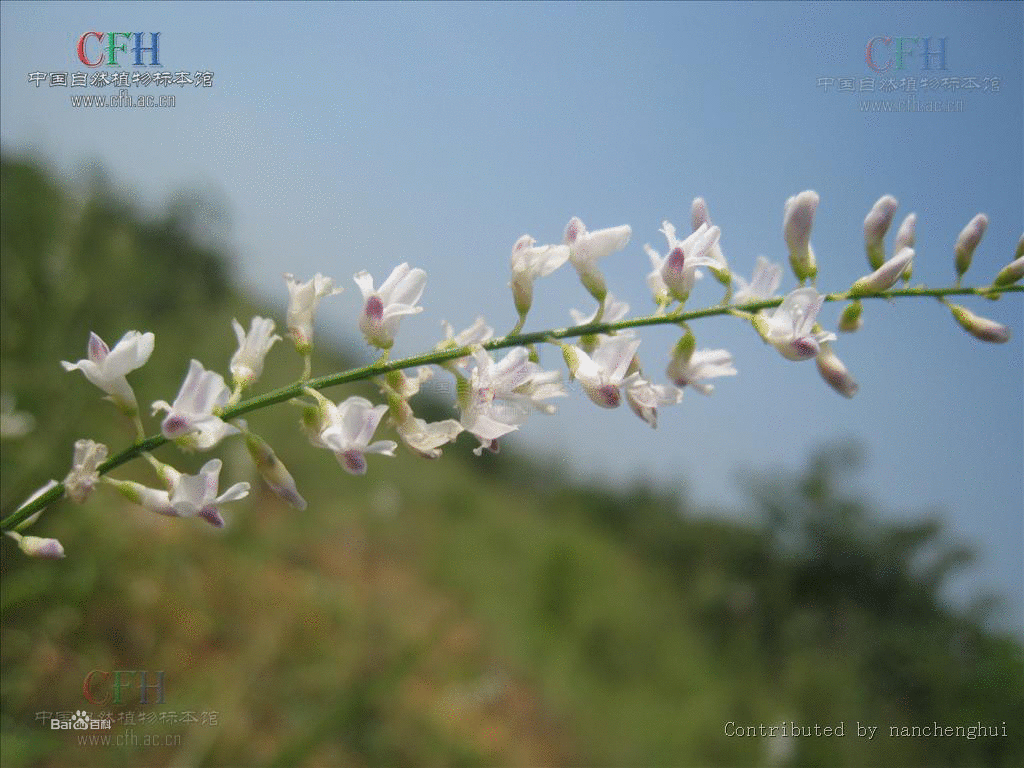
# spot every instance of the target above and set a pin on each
(342, 137)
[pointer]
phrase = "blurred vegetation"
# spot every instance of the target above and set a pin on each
(454, 613)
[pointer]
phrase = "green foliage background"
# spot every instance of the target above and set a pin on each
(460, 612)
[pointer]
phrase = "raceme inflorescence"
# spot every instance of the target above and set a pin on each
(499, 381)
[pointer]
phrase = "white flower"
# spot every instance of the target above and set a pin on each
(477, 333)
(790, 327)
(14, 424)
(691, 368)
(644, 398)
(699, 216)
(383, 308)
(107, 368)
(798, 218)
(530, 262)
(196, 495)
(406, 386)
(763, 284)
(674, 275)
(427, 439)
(201, 394)
(421, 437)
(347, 430)
(247, 363)
(834, 372)
(585, 248)
(33, 546)
(303, 299)
(611, 311)
(84, 472)
(604, 373)
(883, 278)
(498, 397)
(188, 495)
(876, 224)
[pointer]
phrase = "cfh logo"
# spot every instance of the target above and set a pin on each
(886, 53)
(96, 48)
(99, 693)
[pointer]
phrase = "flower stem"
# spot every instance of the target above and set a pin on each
(514, 339)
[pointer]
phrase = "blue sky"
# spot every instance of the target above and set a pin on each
(350, 136)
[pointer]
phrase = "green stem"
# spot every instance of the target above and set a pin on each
(511, 340)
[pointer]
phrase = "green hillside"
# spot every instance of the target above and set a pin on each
(460, 612)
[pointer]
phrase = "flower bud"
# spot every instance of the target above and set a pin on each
(798, 218)
(33, 546)
(968, 241)
(850, 319)
(315, 416)
(274, 473)
(762, 326)
(980, 327)
(1011, 273)
(522, 293)
(883, 278)
(684, 348)
(876, 224)
(572, 359)
(834, 372)
(31, 519)
(150, 498)
(905, 238)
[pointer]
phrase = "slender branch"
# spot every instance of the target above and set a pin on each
(514, 339)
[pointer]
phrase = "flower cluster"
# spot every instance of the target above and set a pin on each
(495, 394)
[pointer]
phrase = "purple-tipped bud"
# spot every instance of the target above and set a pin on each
(48, 549)
(275, 474)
